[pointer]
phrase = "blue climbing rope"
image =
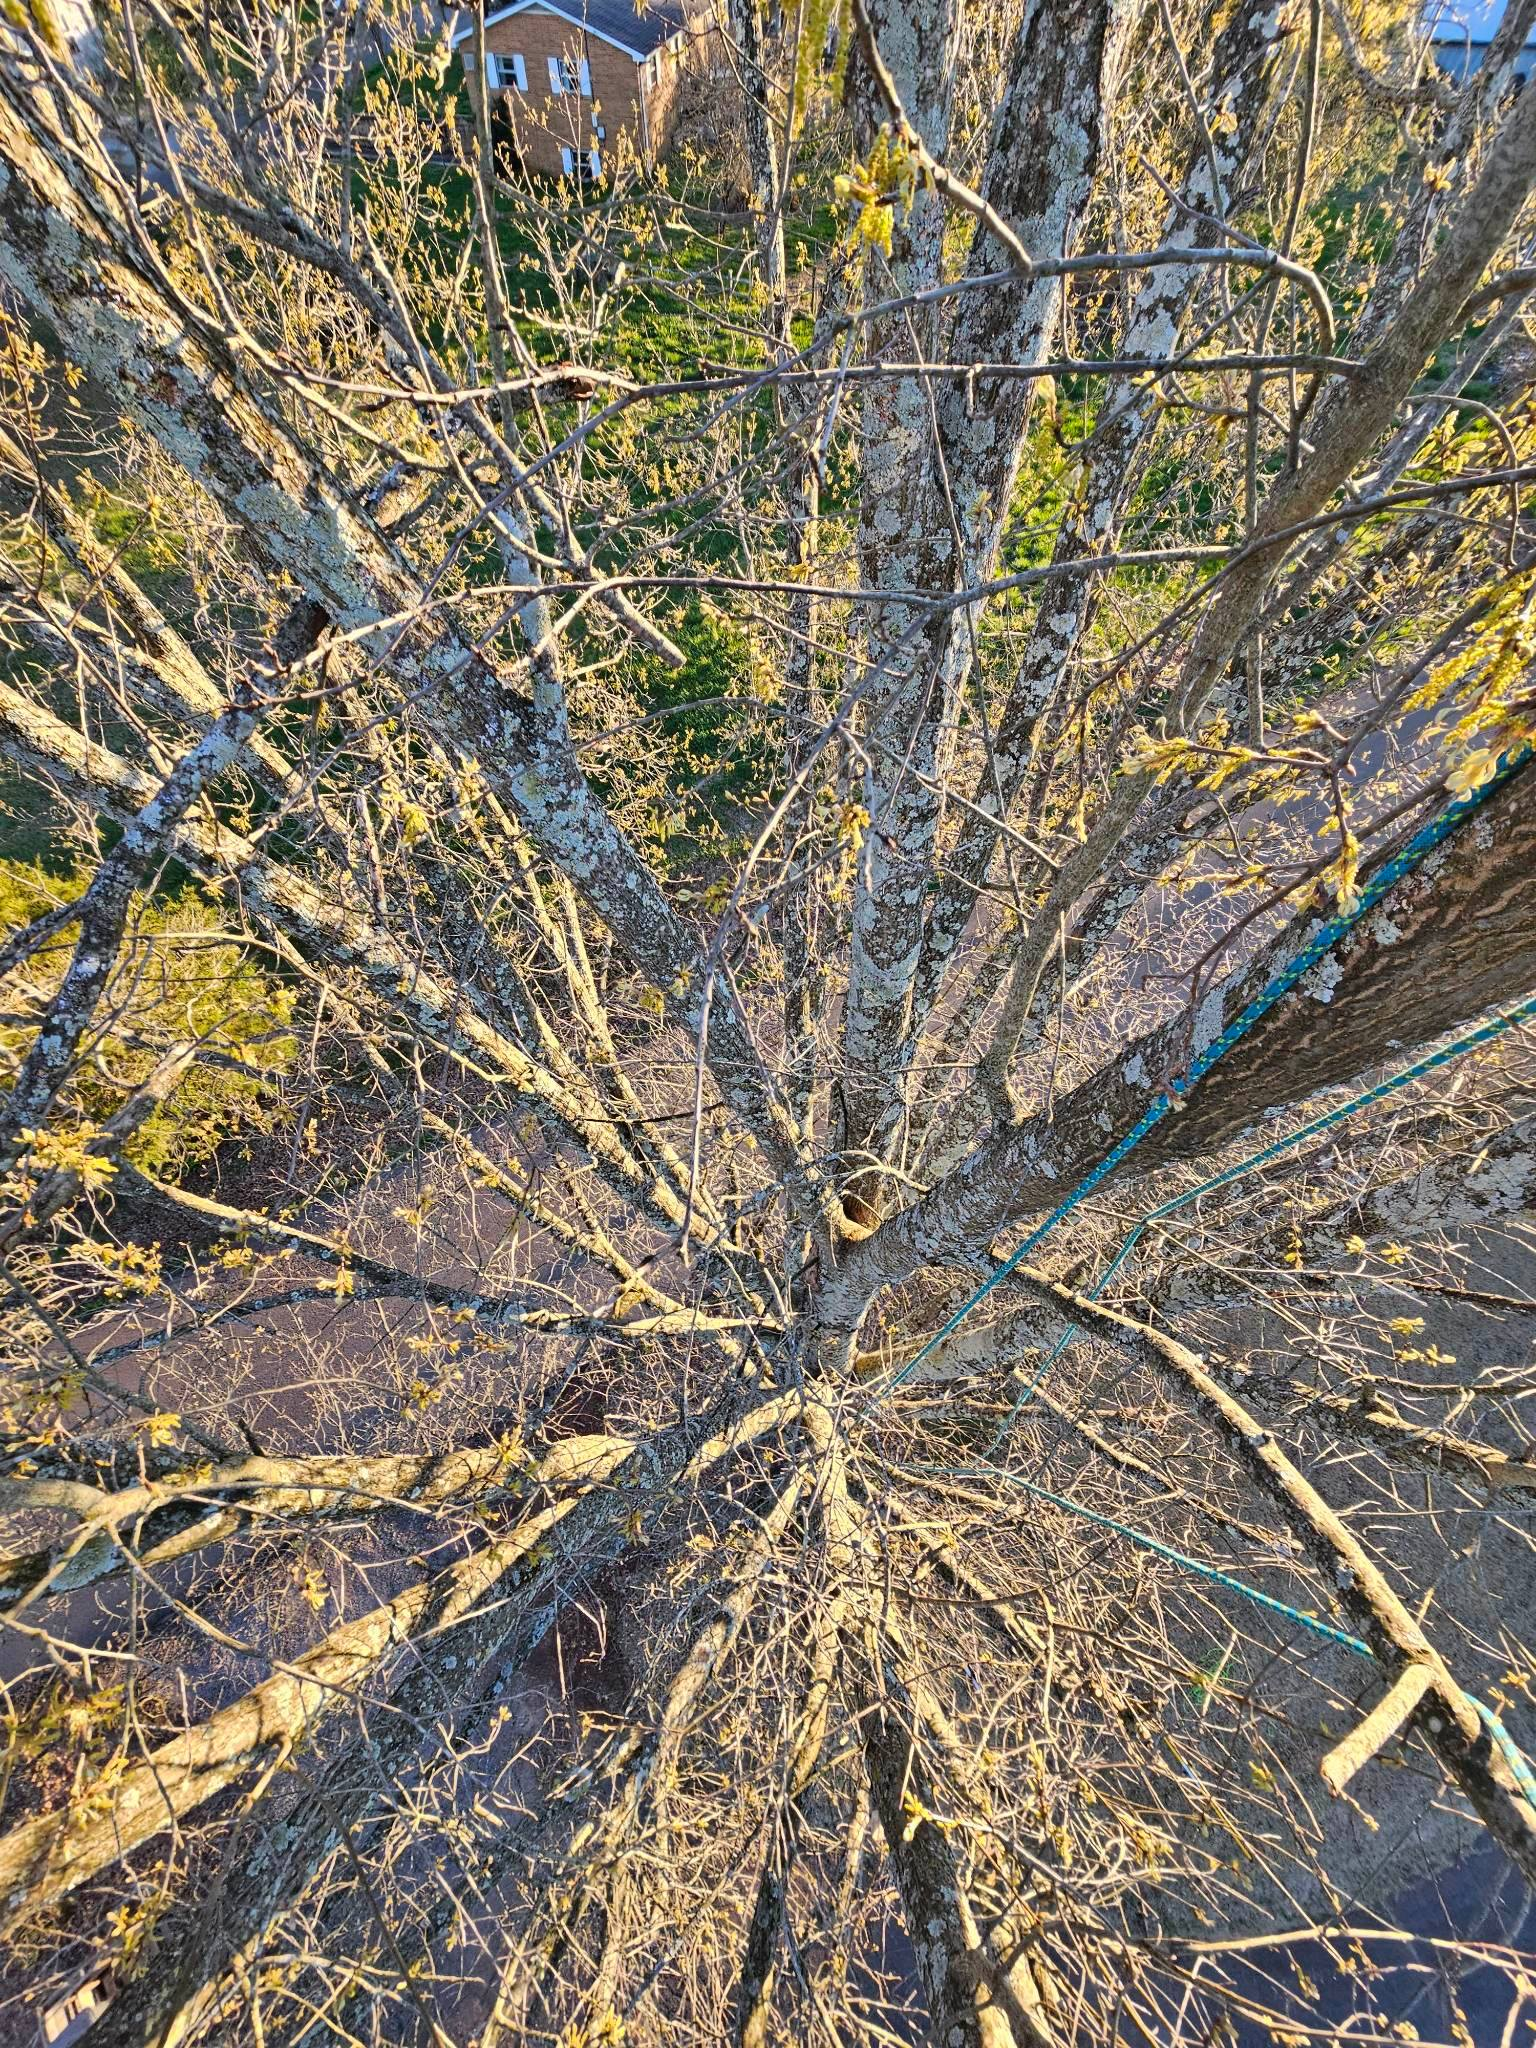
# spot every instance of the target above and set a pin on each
(1323, 941)
(1481, 1034)
(1326, 937)
(1519, 1769)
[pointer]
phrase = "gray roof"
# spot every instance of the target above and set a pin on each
(615, 21)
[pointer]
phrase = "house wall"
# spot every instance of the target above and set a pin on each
(639, 101)
(544, 123)
(665, 72)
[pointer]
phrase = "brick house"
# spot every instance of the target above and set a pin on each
(571, 79)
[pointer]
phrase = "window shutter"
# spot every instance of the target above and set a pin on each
(556, 82)
(584, 79)
(520, 74)
(492, 72)
(567, 161)
(596, 161)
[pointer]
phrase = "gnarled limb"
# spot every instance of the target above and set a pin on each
(638, 1767)
(1448, 941)
(272, 891)
(164, 2006)
(173, 1516)
(941, 476)
(1115, 460)
(765, 1924)
(174, 374)
(977, 1998)
(103, 915)
(1348, 425)
(46, 1858)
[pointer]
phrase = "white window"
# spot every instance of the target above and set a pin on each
(567, 161)
(595, 162)
(564, 76)
(520, 73)
(599, 131)
(556, 75)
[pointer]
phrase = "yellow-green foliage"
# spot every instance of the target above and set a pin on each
(179, 978)
(39, 15)
(1482, 694)
(819, 20)
(873, 191)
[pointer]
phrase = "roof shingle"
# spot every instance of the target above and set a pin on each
(637, 28)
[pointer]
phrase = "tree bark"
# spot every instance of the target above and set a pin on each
(1449, 941)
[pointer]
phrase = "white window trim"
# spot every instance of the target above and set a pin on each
(566, 77)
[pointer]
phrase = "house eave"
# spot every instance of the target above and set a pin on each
(462, 35)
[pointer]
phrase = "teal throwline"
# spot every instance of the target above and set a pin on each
(1328, 935)
(1323, 941)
